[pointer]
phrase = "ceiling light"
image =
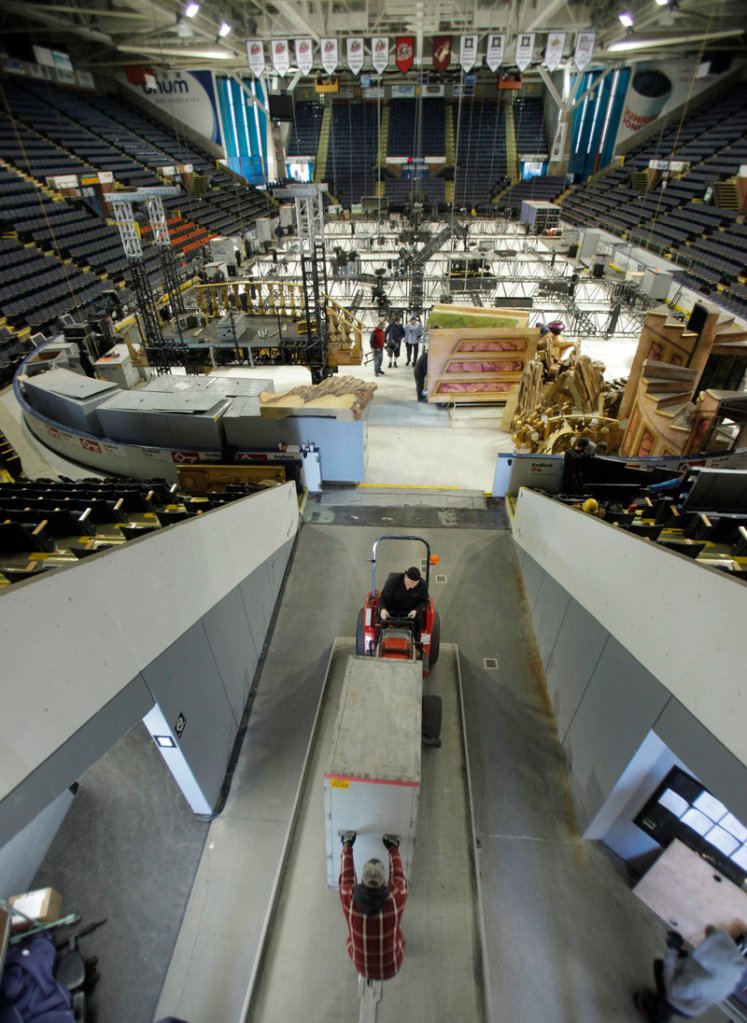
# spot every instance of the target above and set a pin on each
(626, 19)
(223, 29)
(661, 3)
(191, 9)
(188, 52)
(653, 43)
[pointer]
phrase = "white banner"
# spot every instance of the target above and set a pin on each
(355, 53)
(584, 49)
(380, 53)
(554, 49)
(496, 49)
(558, 145)
(524, 50)
(329, 54)
(280, 56)
(255, 52)
(304, 55)
(467, 52)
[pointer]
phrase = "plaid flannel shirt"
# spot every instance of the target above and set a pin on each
(375, 943)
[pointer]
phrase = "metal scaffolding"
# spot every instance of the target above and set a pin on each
(161, 354)
(310, 226)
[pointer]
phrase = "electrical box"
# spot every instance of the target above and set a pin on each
(372, 776)
(540, 216)
(287, 216)
(265, 230)
(656, 284)
(116, 367)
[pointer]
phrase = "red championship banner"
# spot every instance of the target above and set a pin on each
(405, 53)
(441, 52)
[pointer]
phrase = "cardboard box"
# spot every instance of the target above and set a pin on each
(43, 906)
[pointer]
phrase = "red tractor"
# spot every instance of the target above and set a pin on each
(395, 638)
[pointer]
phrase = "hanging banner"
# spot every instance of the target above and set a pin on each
(304, 55)
(584, 49)
(554, 49)
(355, 53)
(558, 145)
(524, 50)
(441, 52)
(468, 52)
(496, 49)
(380, 53)
(405, 52)
(280, 56)
(255, 51)
(329, 55)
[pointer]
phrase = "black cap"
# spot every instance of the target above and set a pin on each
(413, 573)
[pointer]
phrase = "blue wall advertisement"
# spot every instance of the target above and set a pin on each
(188, 96)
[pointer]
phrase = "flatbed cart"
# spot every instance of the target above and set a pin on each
(302, 971)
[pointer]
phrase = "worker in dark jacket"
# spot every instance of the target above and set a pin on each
(395, 333)
(373, 910)
(405, 595)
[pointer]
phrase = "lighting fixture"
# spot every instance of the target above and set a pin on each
(191, 9)
(661, 3)
(655, 43)
(626, 19)
(223, 29)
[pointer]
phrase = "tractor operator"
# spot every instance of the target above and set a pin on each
(405, 595)
(373, 910)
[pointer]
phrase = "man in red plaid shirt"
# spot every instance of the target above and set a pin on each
(373, 910)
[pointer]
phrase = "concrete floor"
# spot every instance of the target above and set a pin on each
(566, 939)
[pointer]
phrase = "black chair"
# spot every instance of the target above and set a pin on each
(648, 530)
(134, 532)
(16, 538)
(690, 548)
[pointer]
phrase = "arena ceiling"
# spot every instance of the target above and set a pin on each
(106, 33)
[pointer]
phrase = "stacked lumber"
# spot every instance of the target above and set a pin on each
(339, 397)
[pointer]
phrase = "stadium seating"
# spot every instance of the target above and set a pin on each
(417, 127)
(529, 121)
(353, 145)
(481, 152)
(305, 130)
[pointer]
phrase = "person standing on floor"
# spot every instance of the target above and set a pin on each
(413, 337)
(373, 910)
(395, 333)
(689, 983)
(377, 343)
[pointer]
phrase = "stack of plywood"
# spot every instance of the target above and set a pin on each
(476, 354)
(337, 397)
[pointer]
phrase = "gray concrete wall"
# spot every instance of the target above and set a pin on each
(634, 684)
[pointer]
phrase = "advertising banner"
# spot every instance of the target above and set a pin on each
(330, 54)
(467, 52)
(189, 96)
(496, 49)
(304, 55)
(355, 53)
(584, 49)
(405, 51)
(280, 56)
(524, 50)
(255, 53)
(380, 53)
(441, 52)
(554, 49)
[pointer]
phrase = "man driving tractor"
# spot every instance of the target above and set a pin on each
(405, 595)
